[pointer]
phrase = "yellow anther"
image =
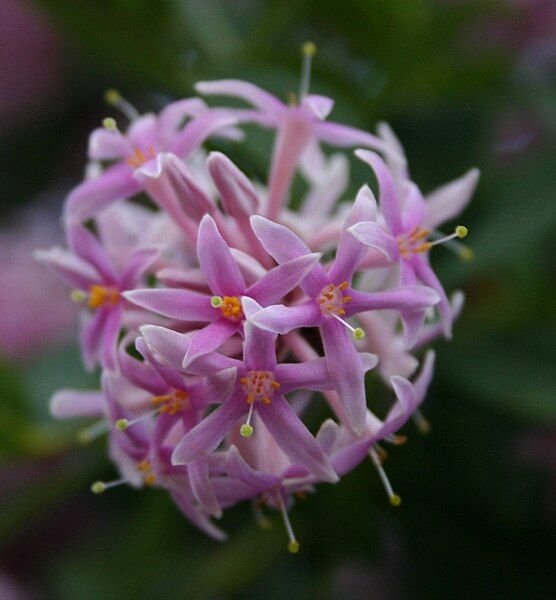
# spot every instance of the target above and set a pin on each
(98, 487)
(78, 295)
(293, 547)
(395, 500)
(246, 430)
(100, 295)
(216, 301)
(112, 97)
(462, 231)
(309, 49)
(122, 424)
(231, 308)
(150, 479)
(358, 333)
(110, 124)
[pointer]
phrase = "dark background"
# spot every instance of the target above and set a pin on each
(464, 83)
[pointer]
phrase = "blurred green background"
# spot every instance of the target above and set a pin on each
(464, 83)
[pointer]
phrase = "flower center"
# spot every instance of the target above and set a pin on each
(259, 385)
(231, 308)
(146, 468)
(139, 158)
(100, 295)
(173, 403)
(332, 299)
(413, 242)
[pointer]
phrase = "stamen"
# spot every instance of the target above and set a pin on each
(110, 124)
(293, 545)
(93, 432)
(98, 487)
(114, 98)
(100, 295)
(421, 422)
(357, 332)
(396, 440)
(230, 307)
(123, 424)
(460, 232)
(309, 49)
(246, 429)
(395, 500)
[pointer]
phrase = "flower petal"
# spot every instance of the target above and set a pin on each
(239, 469)
(243, 90)
(206, 436)
(70, 404)
(347, 371)
(295, 439)
(425, 273)
(388, 197)
(71, 269)
(283, 245)
(108, 145)
(259, 350)
(217, 262)
(282, 319)
(405, 298)
(310, 375)
(138, 263)
(209, 338)
(345, 136)
(371, 234)
(176, 304)
(93, 195)
(199, 479)
(85, 245)
(282, 279)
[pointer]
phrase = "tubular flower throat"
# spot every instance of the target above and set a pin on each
(139, 158)
(173, 403)
(100, 295)
(414, 242)
(332, 299)
(259, 385)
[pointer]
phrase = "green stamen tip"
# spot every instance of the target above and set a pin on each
(358, 333)
(122, 424)
(216, 301)
(109, 123)
(78, 296)
(293, 547)
(98, 487)
(462, 231)
(395, 500)
(112, 97)
(246, 430)
(309, 49)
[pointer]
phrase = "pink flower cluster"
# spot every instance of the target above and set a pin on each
(215, 311)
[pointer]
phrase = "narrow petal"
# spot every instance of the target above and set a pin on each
(71, 404)
(282, 319)
(310, 375)
(414, 206)
(243, 90)
(388, 198)
(139, 372)
(172, 117)
(71, 269)
(199, 479)
(371, 234)
(110, 337)
(137, 265)
(198, 519)
(412, 320)
(85, 245)
(176, 304)
(209, 338)
(350, 250)
(217, 262)
(108, 145)
(259, 350)
(281, 280)
(167, 345)
(347, 371)
(295, 439)
(319, 106)
(430, 332)
(239, 469)
(423, 380)
(447, 202)
(238, 196)
(405, 298)
(93, 195)
(283, 245)
(206, 436)
(425, 273)
(91, 336)
(345, 136)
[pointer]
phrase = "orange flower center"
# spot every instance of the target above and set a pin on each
(332, 299)
(231, 308)
(413, 242)
(100, 295)
(139, 158)
(259, 385)
(173, 403)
